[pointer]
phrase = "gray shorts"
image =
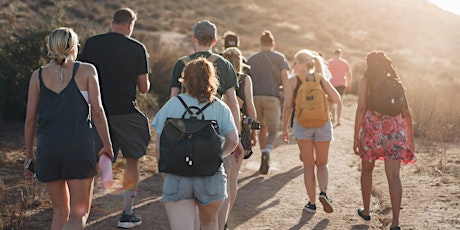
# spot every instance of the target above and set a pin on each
(130, 133)
(323, 133)
(205, 190)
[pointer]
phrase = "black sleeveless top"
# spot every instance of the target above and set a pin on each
(64, 131)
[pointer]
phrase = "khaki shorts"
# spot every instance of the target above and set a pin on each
(268, 110)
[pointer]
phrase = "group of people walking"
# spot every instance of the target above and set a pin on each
(67, 97)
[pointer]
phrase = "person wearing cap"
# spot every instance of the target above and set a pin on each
(232, 40)
(203, 39)
(266, 65)
(123, 66)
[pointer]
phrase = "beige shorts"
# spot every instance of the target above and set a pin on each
(268, 110)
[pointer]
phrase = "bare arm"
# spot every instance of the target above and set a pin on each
(249, 98)
(360, 111)
(348, 78)
(97, 111)
(250, 108)
(233, 104)
(408, 119)
(231, 142)
(143, 83)
(333, 95)
(287, 107)
(31, 117)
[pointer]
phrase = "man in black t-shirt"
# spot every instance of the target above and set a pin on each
(123, 65)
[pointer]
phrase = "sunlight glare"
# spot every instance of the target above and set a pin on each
(452, 6)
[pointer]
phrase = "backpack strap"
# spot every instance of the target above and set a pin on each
(190, 112)
(212, 58)
(297, 86)
(185, 59)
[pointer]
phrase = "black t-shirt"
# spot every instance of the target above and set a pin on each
(119, 59)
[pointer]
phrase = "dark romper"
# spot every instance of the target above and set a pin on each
(65, 146)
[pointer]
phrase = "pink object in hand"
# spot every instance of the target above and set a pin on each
(105, 169)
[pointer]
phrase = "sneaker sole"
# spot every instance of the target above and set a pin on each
(128, 224)
(326, 204)
(264, 165)
(360, 217)
(309, 210)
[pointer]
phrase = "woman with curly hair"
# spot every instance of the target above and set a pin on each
(383, 136)
(183, 194)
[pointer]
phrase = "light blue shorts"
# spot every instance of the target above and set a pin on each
(323, 133)
(205, 190)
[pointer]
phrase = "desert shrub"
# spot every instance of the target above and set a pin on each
(22, 50)
(436, 115)
(21, 53)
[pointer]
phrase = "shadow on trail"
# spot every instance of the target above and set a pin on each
(248, 204)
(360, 227)
(106, 210)
(306, 216)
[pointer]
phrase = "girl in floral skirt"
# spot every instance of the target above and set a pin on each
(381, 136)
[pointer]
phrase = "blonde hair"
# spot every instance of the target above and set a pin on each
(233, 55)
(200, 80)
(60, 42)
(306, 56)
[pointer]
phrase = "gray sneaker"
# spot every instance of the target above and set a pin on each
(129, 221)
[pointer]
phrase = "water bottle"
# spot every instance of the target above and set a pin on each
(105, 170)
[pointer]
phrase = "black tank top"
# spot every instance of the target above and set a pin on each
(64, 120)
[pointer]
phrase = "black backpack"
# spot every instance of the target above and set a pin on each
(190, 146)
(386, 96)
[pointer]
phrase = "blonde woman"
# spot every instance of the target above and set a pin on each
(313, 142)
(181, 194)
(59, 112)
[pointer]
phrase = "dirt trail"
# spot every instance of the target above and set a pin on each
(273, 201)
(276, 200)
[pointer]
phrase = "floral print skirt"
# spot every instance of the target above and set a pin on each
(384, 137)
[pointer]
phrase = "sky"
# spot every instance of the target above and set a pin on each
(452, 6)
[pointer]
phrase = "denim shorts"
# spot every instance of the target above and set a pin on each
(205, 190)
(323, 133)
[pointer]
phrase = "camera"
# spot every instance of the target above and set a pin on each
(253, 124)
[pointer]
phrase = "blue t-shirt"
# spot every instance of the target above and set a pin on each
(218, 111)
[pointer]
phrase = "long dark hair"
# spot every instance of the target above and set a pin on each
(379, 65)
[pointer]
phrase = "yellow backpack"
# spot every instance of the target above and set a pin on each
(311, 107)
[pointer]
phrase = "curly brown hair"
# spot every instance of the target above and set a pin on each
(200, 80)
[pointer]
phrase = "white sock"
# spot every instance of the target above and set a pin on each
(128, 201)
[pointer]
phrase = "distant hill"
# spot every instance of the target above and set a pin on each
(411, 31)
(421, 39)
